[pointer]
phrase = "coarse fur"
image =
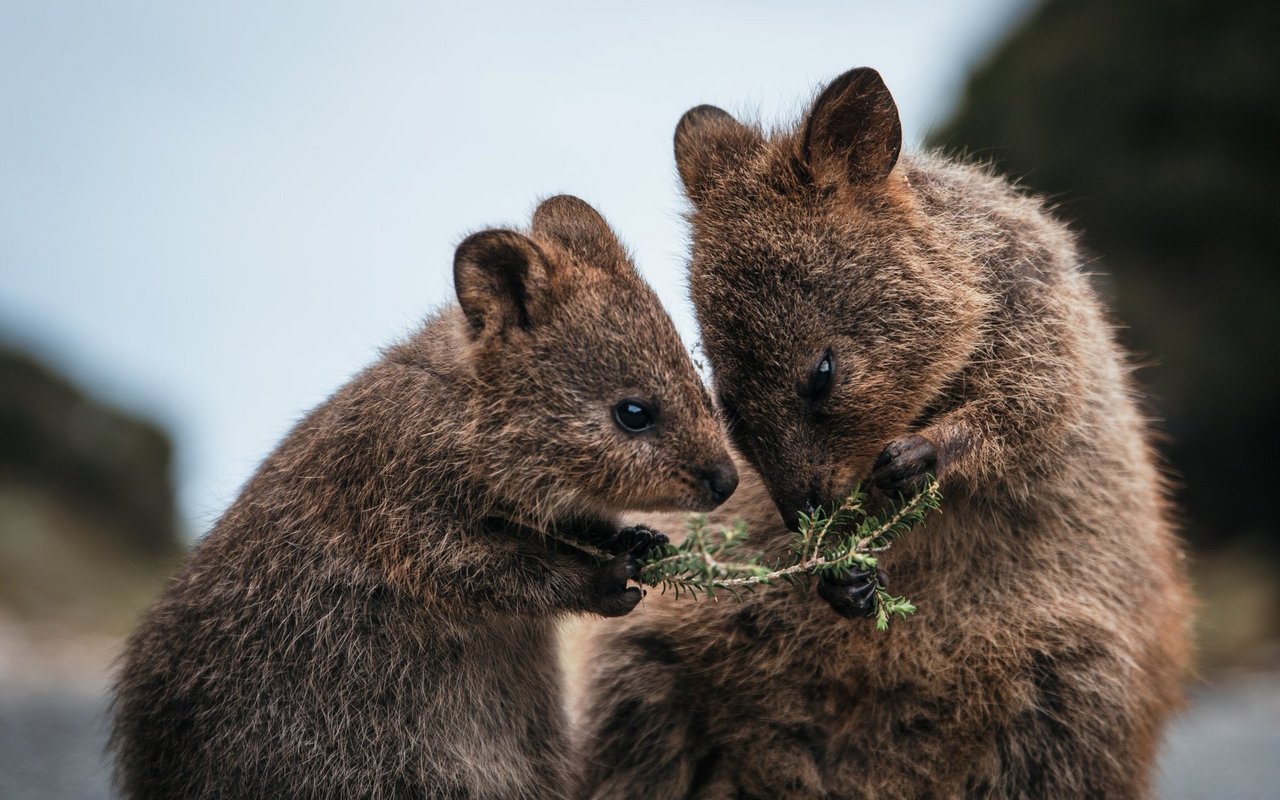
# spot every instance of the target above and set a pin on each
(374, 616)
(1051, 638)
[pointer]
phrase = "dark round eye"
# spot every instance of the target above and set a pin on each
(632, 416)
(821, 377)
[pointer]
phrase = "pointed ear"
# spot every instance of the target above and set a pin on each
(709, 141)
(579, 229)
(501, 279)
(853, 130)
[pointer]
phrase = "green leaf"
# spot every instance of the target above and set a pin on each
(710, 560)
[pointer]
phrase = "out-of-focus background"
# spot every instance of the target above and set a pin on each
(212, 214)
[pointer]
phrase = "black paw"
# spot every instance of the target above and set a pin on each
(901, 469)
(636, 541)
(852, 593)
(614, 598)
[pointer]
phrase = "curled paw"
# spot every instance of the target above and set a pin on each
(636, 541)
(631, 544)
(852, 592)
(614, 597)
(904, 464)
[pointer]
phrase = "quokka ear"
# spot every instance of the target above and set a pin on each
(708, 141)
(501, 278)
(580, 230)
(854, 128)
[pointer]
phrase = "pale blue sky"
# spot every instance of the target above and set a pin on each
(214, 213)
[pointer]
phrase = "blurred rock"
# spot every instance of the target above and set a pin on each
(1237, 624)
(98, 458)
(87, 520)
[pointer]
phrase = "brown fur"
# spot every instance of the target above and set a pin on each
(366, 620)
(1051, 636)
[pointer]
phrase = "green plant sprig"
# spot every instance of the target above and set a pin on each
(708, 561)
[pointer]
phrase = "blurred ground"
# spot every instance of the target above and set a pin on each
(51, 745)
(53, 713)
(1227, 745)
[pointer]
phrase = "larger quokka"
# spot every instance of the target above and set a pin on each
(870, 317)
(373, 617)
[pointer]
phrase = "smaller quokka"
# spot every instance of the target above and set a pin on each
(374, 616)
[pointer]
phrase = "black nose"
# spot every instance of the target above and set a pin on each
(720, 481)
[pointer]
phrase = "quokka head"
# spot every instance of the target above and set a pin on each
(831, 312)
(585, 399)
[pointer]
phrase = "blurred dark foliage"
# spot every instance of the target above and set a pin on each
(91, 457)
(1154, 126)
